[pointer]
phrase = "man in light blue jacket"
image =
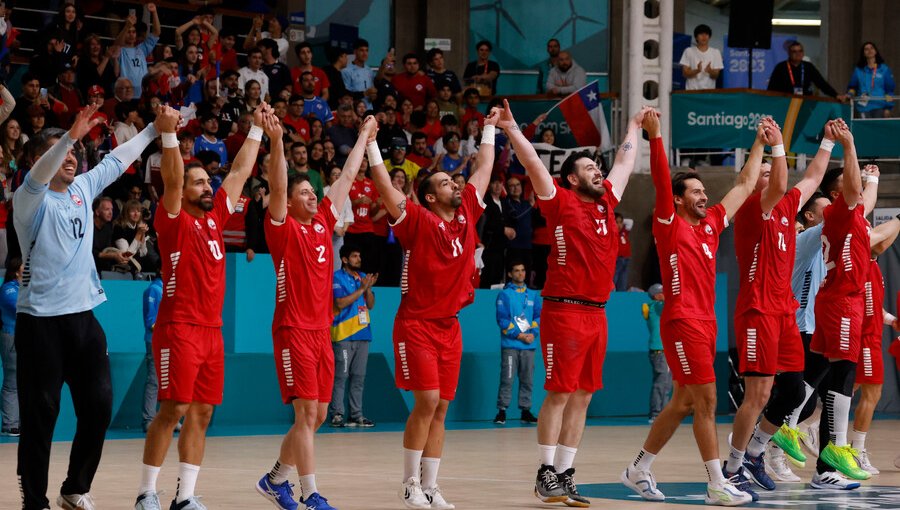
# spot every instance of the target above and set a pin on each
(519, 318)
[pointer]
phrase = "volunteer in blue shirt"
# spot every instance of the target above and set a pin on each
(519, 318)
(871, 78)
(9, 402)
(152, 297)
(662, 377)
(351, 334)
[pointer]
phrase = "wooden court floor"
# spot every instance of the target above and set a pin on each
(482, 469)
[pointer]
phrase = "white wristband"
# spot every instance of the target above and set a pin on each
(889, 319)
(255, 133)
(826, 145)
(374, 154)
(169, 140)
(778, 151)
(488, 133)
(871, 179)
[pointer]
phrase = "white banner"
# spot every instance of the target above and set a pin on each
(884, 214)
(553, 156)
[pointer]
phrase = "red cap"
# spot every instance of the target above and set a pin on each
(96, 90)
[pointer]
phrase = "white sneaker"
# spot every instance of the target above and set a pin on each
(832, 480)
(811, 439)
(75, 501)
(865, 464)
(412, 494)
(437, 500)
(726, 494)
(642, 483)
(777, 466)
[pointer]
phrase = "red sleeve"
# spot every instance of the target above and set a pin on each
(328, 212)
(406, 225)
(610, 196)
(277, 233)
(662, 180)
(717, 218)
(789, 206)
(163, 222)
(473, 205)
(550, 206)
(222, 207)
(323, 78)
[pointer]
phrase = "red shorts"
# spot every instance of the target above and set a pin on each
(427, 354)
(690, 348)
(839, 327)
(573, 340)
(768, 344)
(190, 362)
(304, 361)
(870, 369)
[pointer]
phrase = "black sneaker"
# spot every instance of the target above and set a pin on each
(12, 432)
(567, 480)
(361, 422)
(337, 421)
(547, 487)
(500, 419)
(527, 417)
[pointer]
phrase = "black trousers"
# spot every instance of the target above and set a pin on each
(51, 351)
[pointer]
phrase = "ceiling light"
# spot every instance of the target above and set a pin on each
(796, 22)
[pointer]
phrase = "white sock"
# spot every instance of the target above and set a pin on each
(735, 460)
(308, 485)
(187, 480)
(149, 474)
(430, 466)
(564, 458)
(838, 408)
(547, 454)
(411, 461)
(714, 471)
(643, 460)
(758, 442)
(280, 473)
(794, 417)
(858, 440)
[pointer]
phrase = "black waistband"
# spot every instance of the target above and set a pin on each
(573, 301)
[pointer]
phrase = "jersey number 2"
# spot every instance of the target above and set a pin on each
(321, 251)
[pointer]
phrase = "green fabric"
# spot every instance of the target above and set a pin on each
(653, 325)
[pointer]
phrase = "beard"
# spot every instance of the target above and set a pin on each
(205, 202)
(456, 201)
(588, 189)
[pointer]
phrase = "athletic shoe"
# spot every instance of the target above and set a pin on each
(755, 469)
(740, 481)
(281, 495)
(567, 480)
(436, 498)
(726, 493)
(500, 419)
(315, 501)
(642, 483)
(192, 503)
(811, 439)
(75, 501)
(337, 421)
(777, 465)
(12, 432)
(788, 439)
(547, 487)
(832, 480)
(841, 458)
(527, 417)
(865, 464)
(412, 495)
(148, 501)
(361, 422)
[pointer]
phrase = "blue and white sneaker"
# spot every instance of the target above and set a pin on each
(726, 493)
(192, 503)
(643, 483)
(755, 469)
(148, 501)
(740, 481)
(280, 495)
(832, 480)
(315, 501)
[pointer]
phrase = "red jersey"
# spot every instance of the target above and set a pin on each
(845, 247)
(439, 259)
(687, 253)
(303, 258)
(299, 124)
(318, 75)
(873, 320)
(418, 88)
(624, 243)
(193, 264)
(235, 229)
(765, 246)
(584, 244)
(362, 213)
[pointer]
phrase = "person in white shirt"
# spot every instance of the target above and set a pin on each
(701, 64)
(253, 71)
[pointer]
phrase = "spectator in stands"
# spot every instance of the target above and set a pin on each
(312, 104)
(472, 99)
(344, 219)
(316, 130)
(794, 76)
(227, 109)
(701, 64)
(337, 62)
(9, 401)
(208, 141)
(228, 85)
(546, 66)
(11, 140)
(133, 57)
(439, 73)
(483, 72)
(449, 124)
(152, 297)
(519, 317)
(548, 136)
(31, 96)
(38, 119)
(234, 141)
(294, 120)
(446, 102)
(383, 85)
(96, 66)
(131, 235)
(186, 146)
(279, 74)
(299, 164)
(662, 376)
(66, 93)
(404, 114)
(566, 77)
(361, 234)
(126, 118)
(451, 161)
(495, 234)
(419, 154)
(330, 152)
(351, 336)
(358, 78)
(228, 58)
(412, 84)
(343, 135)
(316, 151)
(623, 259)
(200, 32)
(234, 231)
(105, 258)
(69, 23)
(398, 159)
(48, 59)
(519, 215)
(253, 72)
(277, 26)
(256, 213)
(253, 96)
(305, 56)
(122, 91)
(433, 129)
(392, 252)
(192, 74)
(872, 78)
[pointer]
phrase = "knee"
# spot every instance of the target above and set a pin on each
(759, 397)
(170, 414)
(427, 405)
(556, 399)
(871, 393)
(440, 412)
(705, 405)
(200, 414)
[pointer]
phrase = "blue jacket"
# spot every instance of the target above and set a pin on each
(518, 311)
(347, 324)
(9, 293)
(881, 84)
(152, 297)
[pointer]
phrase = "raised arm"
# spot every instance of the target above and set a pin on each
(181, 29)
(253, 37)
(816, 169)
(659, 168)
(278, 179)
(541, 180)
(883, 236)
(341, 188)
(852, 175)
(778, 176)
(746, 182)
(627, 153)
(130, 21)
(171, 165)
(243, 162)
(870, 187)
(156, 27)
(48, 164)
(392, 199)
(484, 160)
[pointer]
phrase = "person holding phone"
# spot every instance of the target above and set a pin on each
(133, 56)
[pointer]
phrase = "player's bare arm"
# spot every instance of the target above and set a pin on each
(48, 164)
(627, 153)
(171, 165)
(870, 187)
(883, 236)
(812, 178)
(540, 177)
(484, 162)
(278, 172)
(746, 182)
(852, 176)
(243, 162)
(394, 201)
(341, 188)
(778, 175)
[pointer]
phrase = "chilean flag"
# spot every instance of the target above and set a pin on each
(584, 114)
